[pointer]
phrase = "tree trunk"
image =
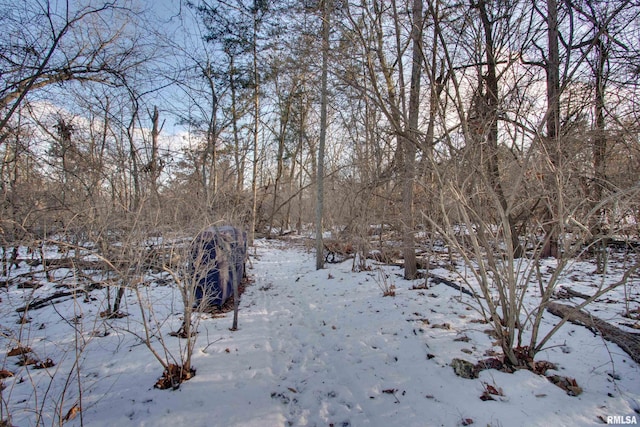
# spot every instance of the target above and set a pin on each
(210, 156)
(435, 90)
(599, 155)
(133, 153)
(489, 112)
(256, 128)
(553, 126)
(154, 164)
(277, 190)
(409, 151)
(326, 14)
(238, 155)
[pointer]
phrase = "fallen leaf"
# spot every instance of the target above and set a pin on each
(17, 351)
(569, 385)
(495, 391)
(48, 363)
(73, 412)
(486, 396)
(26, 360)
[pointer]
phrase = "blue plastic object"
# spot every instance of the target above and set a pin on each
(218, 257)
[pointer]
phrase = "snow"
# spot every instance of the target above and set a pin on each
(314, 348)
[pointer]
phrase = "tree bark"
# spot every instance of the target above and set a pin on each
(409, 149)
(489, 114)
(326, 14)
(154, 164)
(238, 155)
(599, 155)
(133, 153)
(210, 155)
(552, 66)
(256, 128)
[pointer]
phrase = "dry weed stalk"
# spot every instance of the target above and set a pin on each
(387, 287)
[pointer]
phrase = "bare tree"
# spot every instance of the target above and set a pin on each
(326, 16)
(410, 145)
(44, 49)
(155, 164)
(552, 140)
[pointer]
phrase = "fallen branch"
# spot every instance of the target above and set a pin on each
(66, 263)
(439, 279)
(566, 292)
(627, 341)
(42, 302)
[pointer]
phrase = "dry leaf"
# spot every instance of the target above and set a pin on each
(17, 351)
(73, 412)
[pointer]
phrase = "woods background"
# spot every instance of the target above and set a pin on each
(519, 120)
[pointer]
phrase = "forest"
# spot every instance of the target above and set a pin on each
(495, 134)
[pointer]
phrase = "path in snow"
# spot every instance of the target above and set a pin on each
(330, 356)
(314, 362)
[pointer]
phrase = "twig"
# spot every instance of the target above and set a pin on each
(204, 350)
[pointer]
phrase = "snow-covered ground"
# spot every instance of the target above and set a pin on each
(314, 348)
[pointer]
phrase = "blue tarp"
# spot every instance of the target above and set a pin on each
(218, 258)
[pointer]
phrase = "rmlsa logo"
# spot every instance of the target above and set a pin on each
(622, 419)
